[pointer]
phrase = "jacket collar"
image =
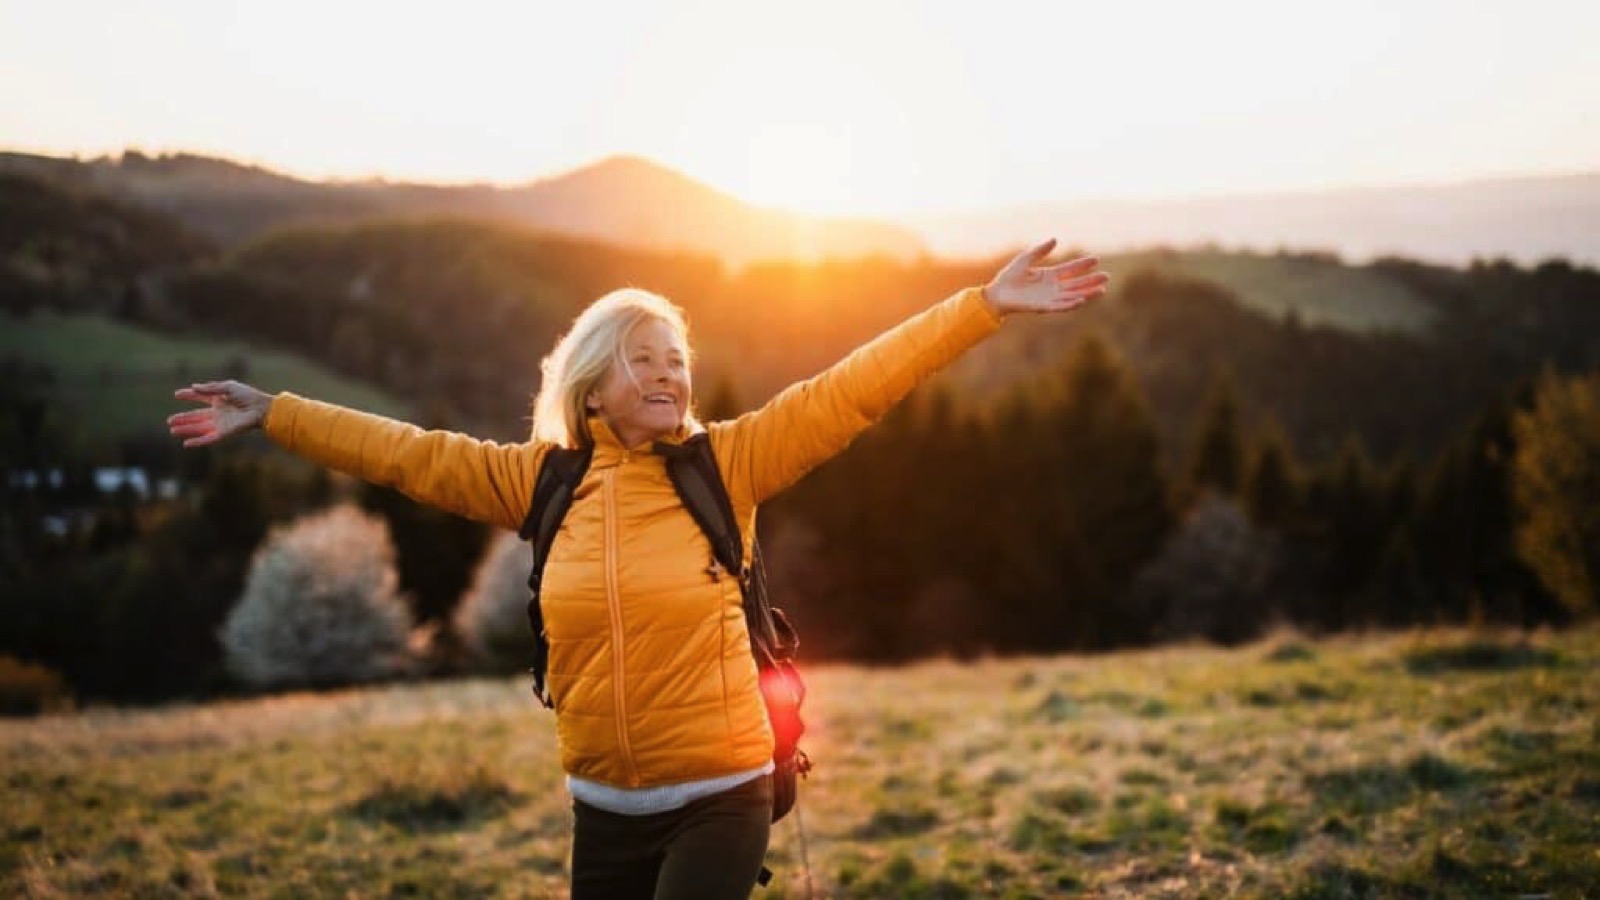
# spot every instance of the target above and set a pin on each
(608, 449)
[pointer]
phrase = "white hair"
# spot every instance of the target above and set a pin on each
(582, 356)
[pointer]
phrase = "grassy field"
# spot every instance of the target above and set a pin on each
(1449, 765)
(1322, 292)
(115, 381)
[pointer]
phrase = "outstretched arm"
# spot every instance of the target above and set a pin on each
(765, 451)
(480, 480)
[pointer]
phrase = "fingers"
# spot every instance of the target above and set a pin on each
(1074, 300)
(197, 433)
(203, 389)
(198, 427)
(1083, 265)
(1040, 250)
(1083, 284)
(1068, 301)
(194, 395)
(197, 419)
(1020, 263)
(1027, 258)
(188, 424)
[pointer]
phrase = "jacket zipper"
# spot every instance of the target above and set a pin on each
(614, 604)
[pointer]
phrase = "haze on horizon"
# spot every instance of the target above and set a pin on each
(887, 109)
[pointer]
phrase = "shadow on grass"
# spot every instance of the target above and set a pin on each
(1431, 872)
(1052, 836)
(1264, 829)
(1073, 801)
(1521, 749)
(1363, 790)
(900, 876)
(1478, 656)
(893, 823)
(1555, 758)
(434, 807)
(1293, 651)
(1303, 691)
(1328, 881)
(1135, 704)
(1057, 707)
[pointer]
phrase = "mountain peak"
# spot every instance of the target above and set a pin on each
(631, 173)
(628, 162)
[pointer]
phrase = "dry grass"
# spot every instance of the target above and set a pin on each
(1450, 765)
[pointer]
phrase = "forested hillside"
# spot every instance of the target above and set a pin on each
(1226, 442)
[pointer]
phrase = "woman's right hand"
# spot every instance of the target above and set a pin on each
(232, 407)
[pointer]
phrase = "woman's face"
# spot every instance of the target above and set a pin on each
(647, 398)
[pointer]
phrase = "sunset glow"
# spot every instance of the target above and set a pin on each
(878, 108)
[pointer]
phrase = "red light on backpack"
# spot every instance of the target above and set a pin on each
(783, 692)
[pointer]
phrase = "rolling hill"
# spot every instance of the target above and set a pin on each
(622, 199)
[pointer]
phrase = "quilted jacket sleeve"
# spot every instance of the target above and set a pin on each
(767, 450)
(480, 480)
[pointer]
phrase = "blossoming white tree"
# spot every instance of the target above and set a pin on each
(320, 606)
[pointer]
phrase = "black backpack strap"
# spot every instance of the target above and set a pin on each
(693, 470)
(692, 466)
(559, 477)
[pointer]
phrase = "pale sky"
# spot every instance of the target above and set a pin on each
(838, 106)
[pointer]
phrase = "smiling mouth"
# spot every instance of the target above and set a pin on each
(661, 399)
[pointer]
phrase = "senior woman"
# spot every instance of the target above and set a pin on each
(663, 732)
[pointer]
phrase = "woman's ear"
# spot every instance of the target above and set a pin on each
(592, 402)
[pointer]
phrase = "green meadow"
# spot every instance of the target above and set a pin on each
(1320, 291)
(1449, 764)
(110, 381)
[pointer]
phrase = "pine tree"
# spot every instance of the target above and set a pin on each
(1102, 497)
(1271, 486)
(1217, 461)
(1345, 505)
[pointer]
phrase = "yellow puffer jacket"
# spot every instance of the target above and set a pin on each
(650, 663)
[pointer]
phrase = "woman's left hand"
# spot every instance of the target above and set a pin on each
(1019, 287)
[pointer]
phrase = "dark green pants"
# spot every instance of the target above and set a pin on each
(710, 849)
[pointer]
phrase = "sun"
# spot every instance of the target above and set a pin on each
(801, 166)
(778, 126)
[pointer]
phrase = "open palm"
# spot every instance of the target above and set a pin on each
(232, 407)
(1020, 287)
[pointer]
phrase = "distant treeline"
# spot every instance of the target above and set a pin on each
(1168, 464)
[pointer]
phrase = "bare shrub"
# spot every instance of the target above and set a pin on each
(492, 619)
(1211, 578)
(320, 606)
